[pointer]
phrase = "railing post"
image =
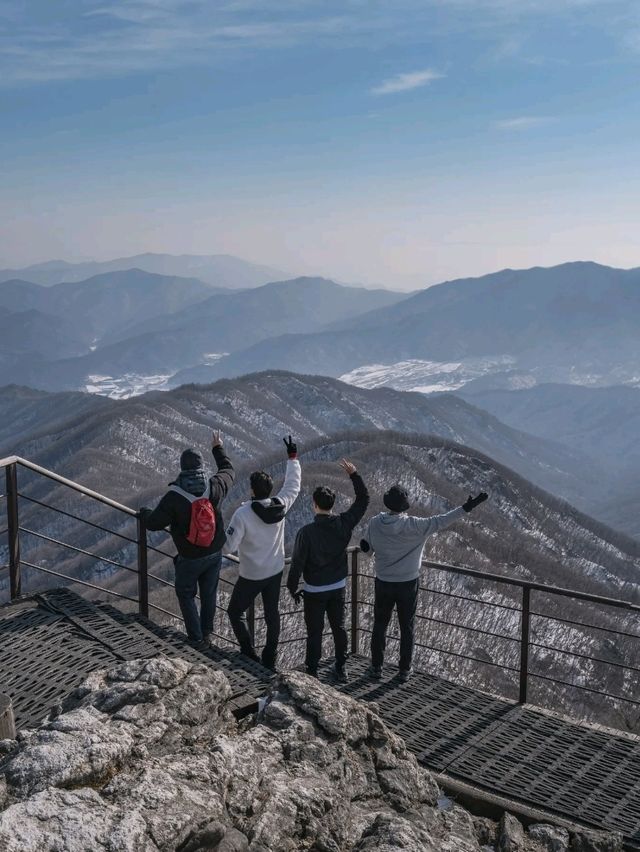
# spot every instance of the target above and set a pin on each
(355, 645)
(524, 643)
(143, 569)
(251, 623)
(13, 530)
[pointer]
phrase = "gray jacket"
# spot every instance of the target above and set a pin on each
(398, 542)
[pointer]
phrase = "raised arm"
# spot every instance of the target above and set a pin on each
(293, 476)
(222, 481)
(355, 513)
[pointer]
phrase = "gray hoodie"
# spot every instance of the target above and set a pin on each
(398, 542)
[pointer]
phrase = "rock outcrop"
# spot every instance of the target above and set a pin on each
(147, 756)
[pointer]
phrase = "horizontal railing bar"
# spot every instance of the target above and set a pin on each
(585, 688)
(77, 549)
(585, 657)
(80, 582)
(371, 604)
(76, 518)
(431, 591)
(536, 587)
(69, 483)
(157, 550)
(452, 653)
(584, 624)
(4, 531)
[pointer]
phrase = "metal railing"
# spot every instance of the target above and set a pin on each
(513, 599)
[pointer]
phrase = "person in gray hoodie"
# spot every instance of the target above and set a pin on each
(397, 540)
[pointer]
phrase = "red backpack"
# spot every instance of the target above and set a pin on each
(202, 527)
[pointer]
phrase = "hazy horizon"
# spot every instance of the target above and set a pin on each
(388, 143)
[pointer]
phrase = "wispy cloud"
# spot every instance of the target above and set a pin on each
(406, 82)
(522, 122)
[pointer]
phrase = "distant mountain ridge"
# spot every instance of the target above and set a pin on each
(552, 324)
(220, 270)
(140, 323)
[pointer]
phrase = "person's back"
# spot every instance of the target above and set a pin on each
(397, 542)
(256, 532)
(320, 559)
(192, 510)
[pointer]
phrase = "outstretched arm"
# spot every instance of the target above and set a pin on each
(429, 526)
(355, 512)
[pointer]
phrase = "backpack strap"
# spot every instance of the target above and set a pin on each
(191, 497)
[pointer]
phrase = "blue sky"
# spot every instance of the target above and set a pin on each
(391, 141)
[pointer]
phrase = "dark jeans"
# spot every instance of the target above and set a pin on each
(316, 604)
(191, 575)
(243, 595)
(403, 596)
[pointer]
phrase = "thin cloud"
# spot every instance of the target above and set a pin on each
(522, 122)
(406, 82)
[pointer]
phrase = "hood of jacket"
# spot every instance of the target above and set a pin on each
(193, 482)
(391, 524)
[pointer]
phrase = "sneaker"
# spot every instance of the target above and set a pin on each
(340, 673)
(374, 672)
(207, 639)
(404, 675)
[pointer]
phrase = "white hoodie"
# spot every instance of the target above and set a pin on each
(260, 546)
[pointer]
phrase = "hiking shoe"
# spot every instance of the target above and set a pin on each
(340, 673)
(207, 639)
(404, 675)
(374, 672)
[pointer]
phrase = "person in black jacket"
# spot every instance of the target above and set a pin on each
(320, 558)
(196, 567)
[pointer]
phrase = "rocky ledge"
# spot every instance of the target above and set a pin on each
(147, 756)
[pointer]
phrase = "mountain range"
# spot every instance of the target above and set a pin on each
(140, 323)
(129, 450)
(220, 270)
(514, 327)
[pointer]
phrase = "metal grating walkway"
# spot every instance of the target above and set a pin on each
(575, 772)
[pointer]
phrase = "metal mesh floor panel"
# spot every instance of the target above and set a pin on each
(51, 642)
(576, 771)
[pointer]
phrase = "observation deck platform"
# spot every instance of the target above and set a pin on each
(494, 754)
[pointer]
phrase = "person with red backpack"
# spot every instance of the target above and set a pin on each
(191, 510)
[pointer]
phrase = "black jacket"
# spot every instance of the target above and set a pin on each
(174, 511)
(320, 551)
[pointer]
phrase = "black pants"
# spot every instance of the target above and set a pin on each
(316, 604)
(403, 596)
(243, 595)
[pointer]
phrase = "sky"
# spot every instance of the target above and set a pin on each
(393, 142)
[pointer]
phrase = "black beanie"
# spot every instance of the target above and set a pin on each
(396, 499)
(190, 460)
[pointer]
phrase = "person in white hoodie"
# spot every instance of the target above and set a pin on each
(397, 540)
(256, 533)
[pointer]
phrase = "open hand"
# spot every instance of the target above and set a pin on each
(348, 467)
(216, 440)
